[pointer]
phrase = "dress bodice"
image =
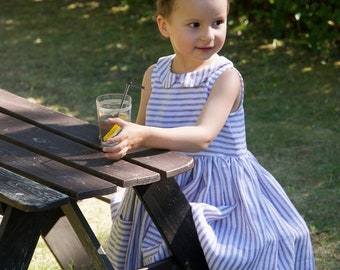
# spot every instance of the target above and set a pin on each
(177, 100)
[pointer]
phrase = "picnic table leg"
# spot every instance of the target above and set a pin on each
(171, 213)
(19, 235)
(72, 240)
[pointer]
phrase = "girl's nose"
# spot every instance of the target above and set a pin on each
(207, 33)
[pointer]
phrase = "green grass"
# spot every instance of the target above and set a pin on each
(63, 54)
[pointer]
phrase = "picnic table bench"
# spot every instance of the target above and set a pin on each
(55, 160)
(24, 203)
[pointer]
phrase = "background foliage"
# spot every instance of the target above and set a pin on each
(315, 23)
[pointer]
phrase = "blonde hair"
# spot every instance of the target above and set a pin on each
(165, 7)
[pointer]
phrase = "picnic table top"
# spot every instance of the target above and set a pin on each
(64, 152)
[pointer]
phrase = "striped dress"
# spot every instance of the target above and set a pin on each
(242, 215)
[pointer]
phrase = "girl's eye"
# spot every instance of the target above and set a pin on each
(194, 25)
(218, 22)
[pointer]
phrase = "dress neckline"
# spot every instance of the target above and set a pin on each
(187, 80)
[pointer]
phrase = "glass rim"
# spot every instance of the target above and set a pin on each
(112, 94)
(117, 97)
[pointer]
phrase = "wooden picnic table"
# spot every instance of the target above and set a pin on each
(49, 161)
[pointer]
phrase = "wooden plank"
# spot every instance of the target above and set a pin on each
(167, 163)
(19, 234)
(86, 236)
(166, 264)
(84, 158)
(75, 183)
(26, 195)
(78, 243)
(171, 213)
(64, 244)
(56, 122)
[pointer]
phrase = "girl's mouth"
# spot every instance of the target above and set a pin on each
(205, 49)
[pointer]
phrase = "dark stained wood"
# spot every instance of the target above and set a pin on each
(75, 183)
(19, 234)
(26, 195)
(78, 243)
(171, 213)
(86, 236)
(59, 123)
(166, 264)
(73, 154)
(166, 163)
(61, 239)
(2, 209)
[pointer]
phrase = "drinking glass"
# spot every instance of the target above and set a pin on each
(112, 106)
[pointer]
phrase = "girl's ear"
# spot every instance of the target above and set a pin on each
(162, 26)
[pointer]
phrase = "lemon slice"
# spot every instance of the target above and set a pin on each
(112, 132)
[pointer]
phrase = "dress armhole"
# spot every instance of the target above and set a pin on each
(240, 96)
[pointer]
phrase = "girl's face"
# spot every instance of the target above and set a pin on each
(197, 31)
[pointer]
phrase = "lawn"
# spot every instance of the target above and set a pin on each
(63, 54)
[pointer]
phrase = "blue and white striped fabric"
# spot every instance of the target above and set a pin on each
(243, 217)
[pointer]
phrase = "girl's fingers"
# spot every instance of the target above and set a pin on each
(123, 142)
(115, 155)
(118, 121)
(117, 151)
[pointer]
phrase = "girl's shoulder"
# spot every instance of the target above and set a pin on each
(164, 62)
(220, 66)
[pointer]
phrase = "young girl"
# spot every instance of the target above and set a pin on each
(193, 103)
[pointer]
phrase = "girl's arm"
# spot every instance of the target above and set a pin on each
(145, 95)
(225, 97)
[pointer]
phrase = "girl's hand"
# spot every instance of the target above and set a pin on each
(127, 140)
